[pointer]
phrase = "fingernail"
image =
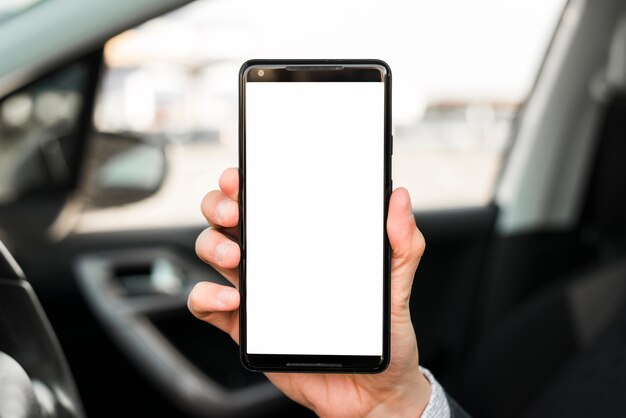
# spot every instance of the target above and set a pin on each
(221, 249)
(409, 206)
(222, 209)
(225, 296)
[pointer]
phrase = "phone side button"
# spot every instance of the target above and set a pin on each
(391, 144)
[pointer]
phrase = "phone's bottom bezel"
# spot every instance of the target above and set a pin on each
(314, 363)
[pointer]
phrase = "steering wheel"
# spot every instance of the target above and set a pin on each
(35, 380)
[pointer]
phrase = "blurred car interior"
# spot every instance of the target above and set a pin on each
(116, 117)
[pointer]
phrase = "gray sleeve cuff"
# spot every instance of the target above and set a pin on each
(438, 406)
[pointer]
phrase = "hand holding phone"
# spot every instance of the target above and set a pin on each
(401, 390)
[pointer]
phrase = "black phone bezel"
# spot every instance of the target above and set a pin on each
(351, 70)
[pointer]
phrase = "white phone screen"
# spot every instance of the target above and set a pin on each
(314, 217)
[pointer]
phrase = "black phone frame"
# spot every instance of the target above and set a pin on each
(348, 70)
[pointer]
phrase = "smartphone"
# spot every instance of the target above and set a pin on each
(315, 179)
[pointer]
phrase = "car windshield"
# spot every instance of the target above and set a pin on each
(10, 8)
(461, 70)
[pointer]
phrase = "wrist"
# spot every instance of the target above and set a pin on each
(408, 400)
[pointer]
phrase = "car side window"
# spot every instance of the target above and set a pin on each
(461, 71)
(38, 127)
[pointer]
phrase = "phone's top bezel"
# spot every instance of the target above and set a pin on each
(367, 70)
(315, 71)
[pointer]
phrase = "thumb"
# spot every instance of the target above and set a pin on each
(407, 247)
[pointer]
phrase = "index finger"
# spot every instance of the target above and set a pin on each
(229, 183)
